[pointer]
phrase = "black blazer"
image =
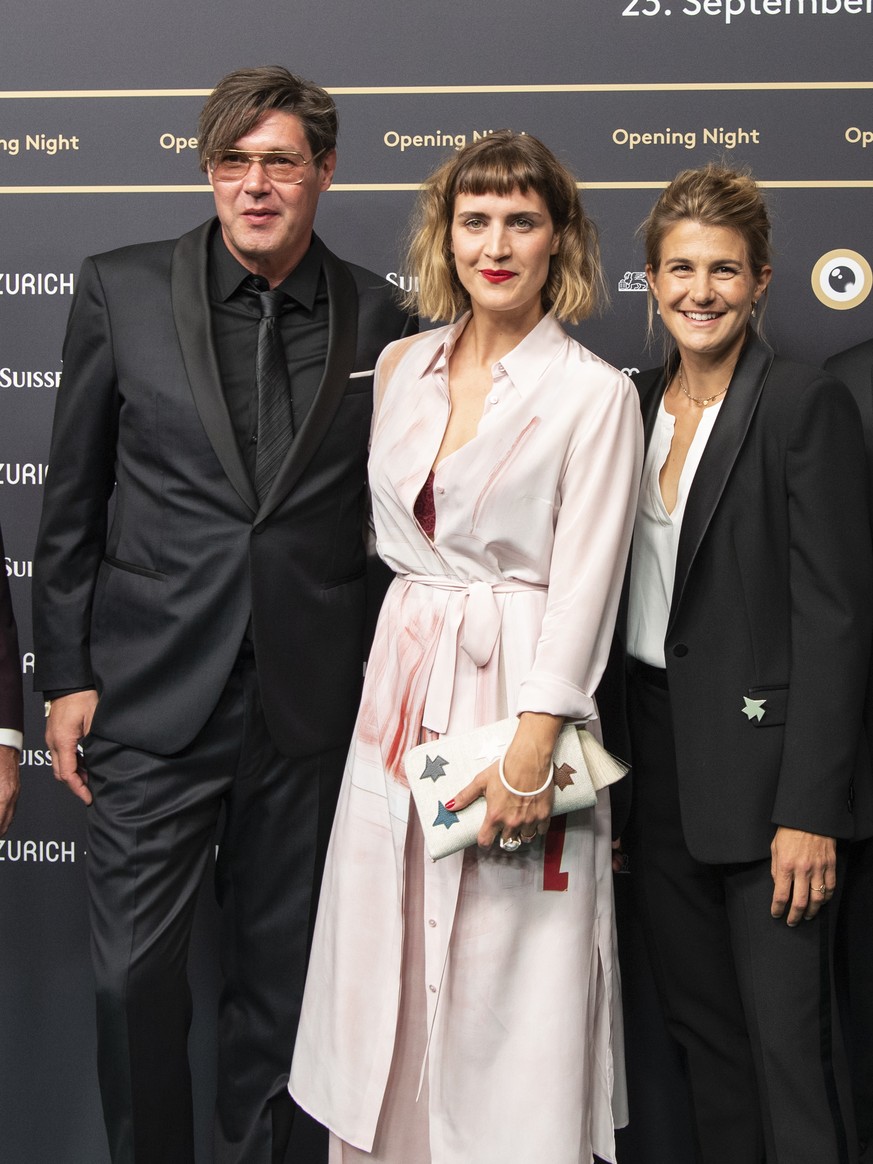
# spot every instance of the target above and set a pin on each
(148, 599)
(855, 368)
(771, 601)
(11, 699)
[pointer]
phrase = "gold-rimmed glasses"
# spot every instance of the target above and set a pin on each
(285, 166)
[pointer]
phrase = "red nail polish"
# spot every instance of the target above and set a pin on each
(450, 805)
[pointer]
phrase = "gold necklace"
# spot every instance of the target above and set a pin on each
(694, 400)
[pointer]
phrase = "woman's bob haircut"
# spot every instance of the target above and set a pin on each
(502, 163)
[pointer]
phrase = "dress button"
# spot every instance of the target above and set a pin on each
(431, 922)
(680, 650)
(440, 489)
(494, 399)
(432, 988)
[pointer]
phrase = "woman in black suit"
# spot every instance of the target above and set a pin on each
(748, 639)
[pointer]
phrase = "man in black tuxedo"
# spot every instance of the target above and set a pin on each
(203, 639)
(11, 702)
(855, 923)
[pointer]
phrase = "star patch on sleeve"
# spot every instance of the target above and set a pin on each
(753, 708)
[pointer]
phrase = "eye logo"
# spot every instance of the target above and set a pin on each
(842, 279)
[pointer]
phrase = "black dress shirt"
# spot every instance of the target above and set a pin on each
(236, 313)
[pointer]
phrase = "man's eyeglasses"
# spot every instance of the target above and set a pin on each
(286, 166)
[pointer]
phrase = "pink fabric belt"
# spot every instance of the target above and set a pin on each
(472, 625)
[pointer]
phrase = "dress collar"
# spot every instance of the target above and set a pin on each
(523, 366)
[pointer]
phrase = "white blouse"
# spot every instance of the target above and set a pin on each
(656, 538)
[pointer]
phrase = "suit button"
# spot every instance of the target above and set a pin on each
(680, 650)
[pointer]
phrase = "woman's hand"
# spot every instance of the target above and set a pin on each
(526, 767)
(804, 870)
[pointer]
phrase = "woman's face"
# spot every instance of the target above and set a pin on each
(706, 289)
(502, 245)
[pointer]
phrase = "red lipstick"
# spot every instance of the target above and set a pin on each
(497, 276)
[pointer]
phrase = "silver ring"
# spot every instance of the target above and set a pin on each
(510, 844)
(818, 888)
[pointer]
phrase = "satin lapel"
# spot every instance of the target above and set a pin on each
(342, 345)
(650, 401)
(722, 448)
(190, 293)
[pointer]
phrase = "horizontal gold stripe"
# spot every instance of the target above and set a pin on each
(468, 90)
(201, 189)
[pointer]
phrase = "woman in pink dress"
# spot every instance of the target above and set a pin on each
(468, 1009)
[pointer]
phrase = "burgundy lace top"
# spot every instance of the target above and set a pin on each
(424, 509)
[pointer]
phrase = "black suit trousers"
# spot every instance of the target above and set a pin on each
(749, 1000)
(150, 829)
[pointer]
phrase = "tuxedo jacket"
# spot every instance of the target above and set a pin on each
(11, 700)
(153, 552)
(771, 604)
(855, 368)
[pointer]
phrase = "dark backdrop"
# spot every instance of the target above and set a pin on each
(96, 123)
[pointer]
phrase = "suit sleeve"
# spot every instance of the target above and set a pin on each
(72, 533)
(831, 581)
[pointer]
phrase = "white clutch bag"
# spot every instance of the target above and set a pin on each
(438, 770)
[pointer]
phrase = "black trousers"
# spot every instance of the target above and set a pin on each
(750, 1000)
(150, 829)
(854, 960)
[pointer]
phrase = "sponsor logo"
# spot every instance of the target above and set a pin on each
(404, 282)
(16, 473)
(36, 283)
(633, 281)
(842, 279)
(27, 378)
(18, 569)
(35, 758)
(16, 851)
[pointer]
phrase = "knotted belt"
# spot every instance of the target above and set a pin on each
(471, 626)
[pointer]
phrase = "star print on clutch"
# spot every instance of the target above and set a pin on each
(433, 768)
(444, 817)
(753, 708)
(564, 776)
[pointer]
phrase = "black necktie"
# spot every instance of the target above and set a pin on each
(275, 421)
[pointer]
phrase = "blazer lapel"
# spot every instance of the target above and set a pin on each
(341, 349)
(190, 293)
(650, 402)
(722, 448)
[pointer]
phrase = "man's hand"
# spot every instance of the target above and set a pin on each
(70, 720)
(10, 785)
(804, 871)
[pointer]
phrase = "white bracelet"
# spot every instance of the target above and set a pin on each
(515, 791)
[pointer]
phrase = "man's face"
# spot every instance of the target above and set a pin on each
(267, 225)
